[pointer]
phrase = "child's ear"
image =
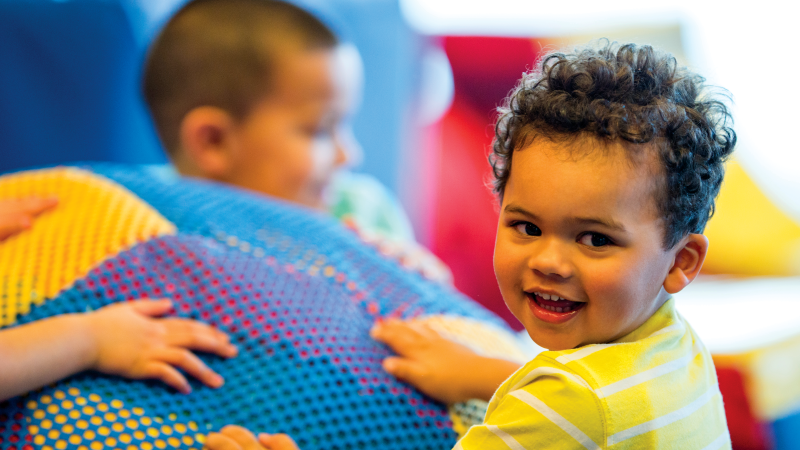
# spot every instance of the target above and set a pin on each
(687, 263)
(208, 138)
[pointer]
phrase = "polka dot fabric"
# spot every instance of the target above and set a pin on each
(69, 418)
(95, 219)
(297, 292)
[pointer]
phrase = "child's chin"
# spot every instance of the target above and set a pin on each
(552, 343)
(313, 200)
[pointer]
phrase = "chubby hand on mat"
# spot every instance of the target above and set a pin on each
(234, 437)
(442, 369)
(130, 340)
(17, 215)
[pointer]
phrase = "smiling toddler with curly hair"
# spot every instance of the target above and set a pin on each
(607, 162)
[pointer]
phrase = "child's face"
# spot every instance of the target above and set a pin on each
(582, 226)
(288, 143)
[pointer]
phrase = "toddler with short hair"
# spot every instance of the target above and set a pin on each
(256, 94)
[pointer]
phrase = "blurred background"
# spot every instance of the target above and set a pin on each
(433, 73)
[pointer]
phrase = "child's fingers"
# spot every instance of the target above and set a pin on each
(218, 441)
(277, 442)
(400, 336)
(151, 308)
(37, 205)
(242, 436)
(168, 375)
(392, 330)
(198, 336)
(191, 364)
(10, 226)
(403, 369)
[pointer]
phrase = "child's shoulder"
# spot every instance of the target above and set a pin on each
(663, 343)
(658, 379)
(536, 406)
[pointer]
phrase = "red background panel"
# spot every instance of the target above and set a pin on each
(485, 69)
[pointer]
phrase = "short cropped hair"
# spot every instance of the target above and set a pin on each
(632, 94)
(222, 53)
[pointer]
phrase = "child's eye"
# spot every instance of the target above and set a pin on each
(527, 229)
(595, 240)
(312, 131)
(321, 132)
(315, 129)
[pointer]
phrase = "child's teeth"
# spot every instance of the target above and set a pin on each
(565, 309)
(553, 297)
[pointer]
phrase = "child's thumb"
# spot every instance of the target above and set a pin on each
(152, 308)
(277, 442)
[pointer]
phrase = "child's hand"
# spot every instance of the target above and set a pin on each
(431, 363)
(233, 437)
(130, 342)
(18, 214)
(444, 370)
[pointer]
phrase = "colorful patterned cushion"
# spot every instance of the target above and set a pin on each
(296, 291)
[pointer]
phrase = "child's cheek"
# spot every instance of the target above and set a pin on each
(510, 265)
(311, 175)
(608, 283)
(305, 169)
(323, 157)
(619, 288)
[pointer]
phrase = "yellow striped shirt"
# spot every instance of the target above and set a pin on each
(654, 388)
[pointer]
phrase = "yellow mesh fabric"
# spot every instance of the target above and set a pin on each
(95, 219)
(70, 418)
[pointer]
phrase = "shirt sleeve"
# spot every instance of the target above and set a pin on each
(554, 411)
(370, 204)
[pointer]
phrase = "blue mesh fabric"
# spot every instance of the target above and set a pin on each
(298, 294)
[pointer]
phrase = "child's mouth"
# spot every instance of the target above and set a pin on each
(551, 308)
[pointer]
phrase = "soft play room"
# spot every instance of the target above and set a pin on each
(258, 224)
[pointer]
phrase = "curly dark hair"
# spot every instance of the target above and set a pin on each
(632, 94)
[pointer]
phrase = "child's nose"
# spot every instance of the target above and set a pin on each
(348, 149)
(341, 158)
(551, 259)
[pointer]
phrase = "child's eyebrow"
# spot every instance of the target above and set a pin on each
(520, 210)
(609, 223)
(602, 221)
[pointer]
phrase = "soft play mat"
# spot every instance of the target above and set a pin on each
(296, 291)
